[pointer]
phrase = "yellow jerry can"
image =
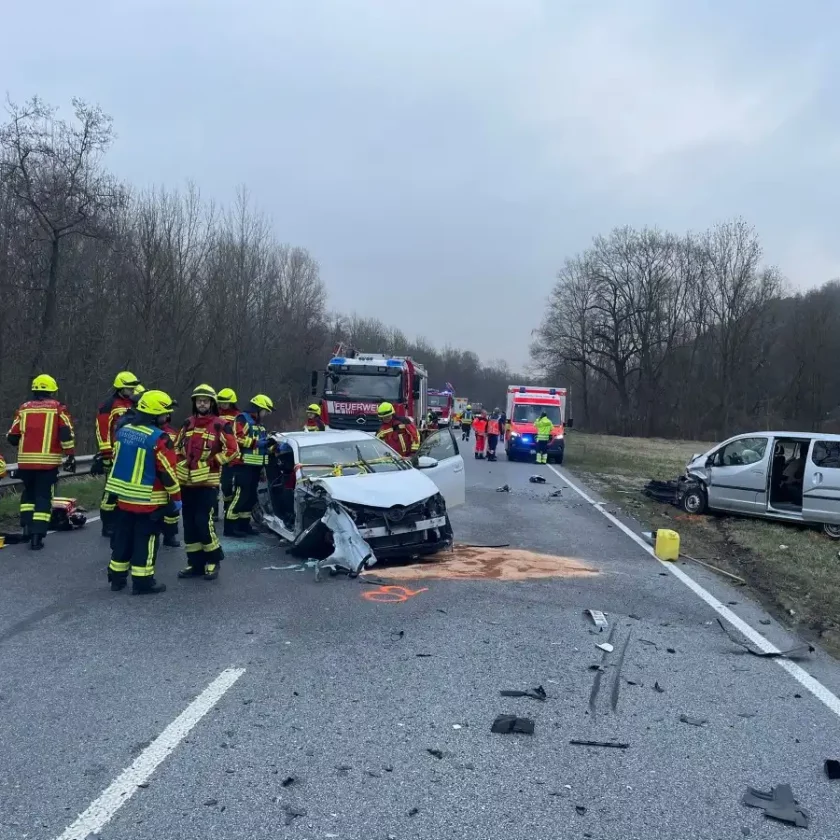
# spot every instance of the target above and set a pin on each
(667, 544)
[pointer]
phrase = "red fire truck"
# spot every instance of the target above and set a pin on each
(354, 385)
(442, 402)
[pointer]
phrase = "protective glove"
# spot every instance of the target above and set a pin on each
(177, 505)
(70, 464)
(97, 466)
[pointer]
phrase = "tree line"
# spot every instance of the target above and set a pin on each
(96, 277)
(690, 336)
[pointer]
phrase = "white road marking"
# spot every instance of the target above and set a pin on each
(798, 673)
(103, 808)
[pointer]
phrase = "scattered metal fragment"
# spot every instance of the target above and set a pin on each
(555, 494)
(435, 753)
(508, 724)
(537, 693)
(505, 488)
(599, 619)
(670, 650)
(413, 812)
(778, 803)
(292, 814)
(799, 650)
(617, 745)
(832, 768)
(423, 655)
(536, 479)
(693, 721)
(764, 621)
(373, 774)
(211, 802)
(580, 809)
(288, 781)
(658, 688)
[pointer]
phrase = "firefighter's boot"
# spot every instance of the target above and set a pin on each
(36, 542)
(171, 541)
(149, 586)
(211, 571)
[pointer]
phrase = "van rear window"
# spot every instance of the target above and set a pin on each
(826, 454)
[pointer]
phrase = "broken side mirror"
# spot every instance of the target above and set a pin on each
(313, 382)
(424, 462)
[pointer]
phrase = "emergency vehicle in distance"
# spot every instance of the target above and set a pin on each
(525, 403)
(355, 384)
(443, 404)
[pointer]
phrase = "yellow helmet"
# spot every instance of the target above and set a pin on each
(469, 408)
(314, 408)
(125, 379)
(227, 395)
(385, 409)
(44, 382)
(204, 391)
(139, 389)
(262, 401)
(155, 403)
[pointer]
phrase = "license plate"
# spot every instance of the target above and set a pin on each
(533, 451)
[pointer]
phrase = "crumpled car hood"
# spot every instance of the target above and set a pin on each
(382, 490)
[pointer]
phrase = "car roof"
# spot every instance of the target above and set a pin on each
(328, 436)
(800, 435)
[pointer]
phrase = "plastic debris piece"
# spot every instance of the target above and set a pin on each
(435, 753)
(580, 809)
(555, 494)
(537, 693)
(658, 688)
(599, 619)
(292, 814)
(536, 479)
(288, 781)
(505, 488)
(693, 721)
(508, 724)
(832, 768)
(606, 647)
(413, 812)
(778, 803)
(618, 745)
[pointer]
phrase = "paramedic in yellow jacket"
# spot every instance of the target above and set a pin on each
(545, 431)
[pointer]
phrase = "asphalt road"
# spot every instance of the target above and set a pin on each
(335, 695)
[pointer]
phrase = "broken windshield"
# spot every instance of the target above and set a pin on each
(350, 457)
(360, 386)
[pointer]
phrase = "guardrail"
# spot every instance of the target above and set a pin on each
(83, 464)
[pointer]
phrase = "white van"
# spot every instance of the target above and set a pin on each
(787, 476)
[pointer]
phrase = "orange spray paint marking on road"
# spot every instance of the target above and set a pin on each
(391, 594)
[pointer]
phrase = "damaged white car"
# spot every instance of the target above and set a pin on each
(347, 499)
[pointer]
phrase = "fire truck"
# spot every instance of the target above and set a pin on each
(525, 403)
(442, 403)
(355, 384)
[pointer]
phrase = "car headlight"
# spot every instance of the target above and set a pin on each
(514, 434)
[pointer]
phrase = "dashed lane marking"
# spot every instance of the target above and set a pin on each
(797, 672)
(103, 808)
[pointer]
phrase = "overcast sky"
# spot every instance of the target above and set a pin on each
(440, 158)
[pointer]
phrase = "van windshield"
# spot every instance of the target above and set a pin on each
(528, 413)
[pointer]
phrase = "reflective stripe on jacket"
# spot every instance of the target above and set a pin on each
(492, 427)
(143, 476)
(106, 419)
(203, 446)
(401, 435)
(43, 433)
(252, 439)
(544, 427)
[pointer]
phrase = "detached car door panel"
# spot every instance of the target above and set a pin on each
(821, 483)
(738, 476)
(448, 474)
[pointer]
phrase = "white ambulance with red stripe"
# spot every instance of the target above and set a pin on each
(525, 403)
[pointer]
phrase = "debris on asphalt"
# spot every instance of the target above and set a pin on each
(783, 547)
(580, 809)
(799, 650)
(537, 693)
(423, 655)
(292, 814)
(618, 745)
(211, 802)
(555, 494)
(413, 812)
(693, 721)
(764, 621)
(778, 803)
(288, 781)
(658, 688)
(505, 488)
(536, 479)
(737, 578)
(457, 726)
(599, 619)
(832, 768)
(396, 635)
(508, 724)
(648, 642)
(373, 774)
(435, 753)
(343, 769)
(617, 679)
(665, 492)
(670, 650)
(606, 647)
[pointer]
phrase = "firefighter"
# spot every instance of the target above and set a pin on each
(228, 410)
(545, 431)
(314, 423)
(480, 425)
(2, 465)
(205, 444)
(125, 383)
(466, 423)
(43, 433)
(171, 515)
(398, 431)
(144, 481)
(252, 439)
(432, 421)
(494, 429)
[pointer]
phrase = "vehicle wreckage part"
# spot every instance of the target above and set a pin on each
(799, 650)
(778, 803)
(351, 552)
(510, 724)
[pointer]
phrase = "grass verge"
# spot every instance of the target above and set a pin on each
(87, 490)
(791, 569)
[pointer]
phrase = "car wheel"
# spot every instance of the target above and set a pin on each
(694, 501)
(832, 531)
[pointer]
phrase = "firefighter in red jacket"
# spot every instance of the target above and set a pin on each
(171, 516)
(43, 433)
(107, 416)
(398, 431)
(314, 423)
(144, 482)
(204, 446)
(228, 411)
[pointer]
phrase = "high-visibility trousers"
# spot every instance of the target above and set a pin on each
(36, 499)
(246, 479)
(202, 544)
(134, 547)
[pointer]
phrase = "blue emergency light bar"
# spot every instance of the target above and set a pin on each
(338, 360)
(394, 363)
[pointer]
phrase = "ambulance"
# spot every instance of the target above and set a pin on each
(524, 405)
